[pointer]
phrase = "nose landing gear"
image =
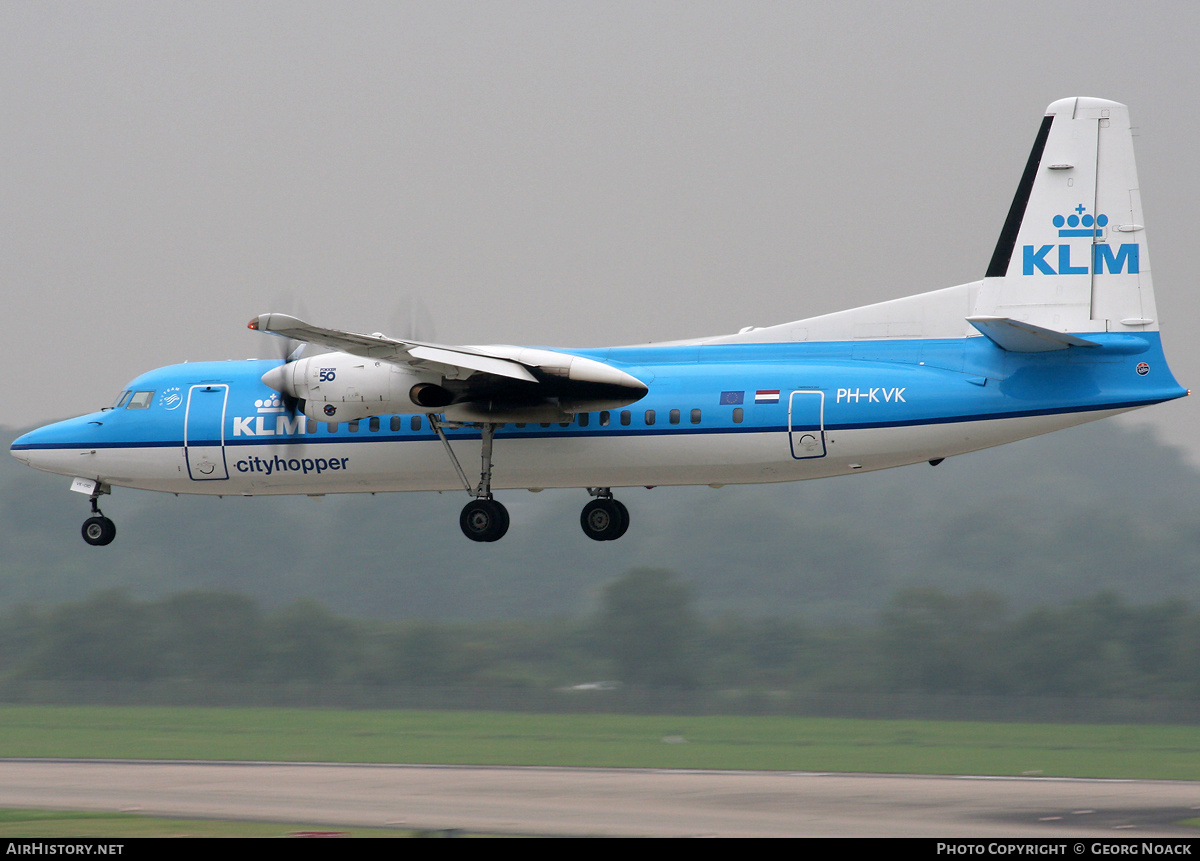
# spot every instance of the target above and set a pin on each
(98, 530)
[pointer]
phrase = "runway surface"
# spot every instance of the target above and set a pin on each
(629, 802)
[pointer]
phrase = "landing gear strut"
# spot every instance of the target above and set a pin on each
(604, 518)
(98, 530)
(483, 518)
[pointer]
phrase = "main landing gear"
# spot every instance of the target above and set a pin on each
(485, 519)
(98, 530)
(604, 518)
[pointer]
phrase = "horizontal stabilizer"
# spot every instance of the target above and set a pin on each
(1018, 337)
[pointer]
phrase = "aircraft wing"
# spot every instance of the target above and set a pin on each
(433, 357)
(550, 370)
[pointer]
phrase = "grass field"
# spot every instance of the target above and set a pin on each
(622, 741)
(50, 824)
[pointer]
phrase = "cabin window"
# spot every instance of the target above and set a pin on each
(626, 417)
(310, 426)
(737, 415)
(582, 419)
(140, 400)
(352, 426)
(649, 417)
(333, 427)
(373, 425)
(605, 418)
(394, 424)
(674, 417)
(519, 425)
(695, 417)
(544, 424)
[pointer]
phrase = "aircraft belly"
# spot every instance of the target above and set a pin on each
(863, 449)
(642, 460)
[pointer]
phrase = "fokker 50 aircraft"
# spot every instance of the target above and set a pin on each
(1061, 330)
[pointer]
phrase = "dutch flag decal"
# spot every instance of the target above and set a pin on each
(766, 396)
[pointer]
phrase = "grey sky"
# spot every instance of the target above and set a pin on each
(557, 173)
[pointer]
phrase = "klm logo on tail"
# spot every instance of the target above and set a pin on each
(1080, 224)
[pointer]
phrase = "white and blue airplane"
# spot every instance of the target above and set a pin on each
(1061, 330)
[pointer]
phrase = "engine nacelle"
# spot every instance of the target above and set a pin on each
(338, 387)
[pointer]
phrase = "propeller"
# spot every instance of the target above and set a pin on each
(411, 321)
(289, 349)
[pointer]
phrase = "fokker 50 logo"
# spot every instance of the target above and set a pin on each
(1080, 223)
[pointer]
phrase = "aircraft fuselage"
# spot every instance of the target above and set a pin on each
(714, 414)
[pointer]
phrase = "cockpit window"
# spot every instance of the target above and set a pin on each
(140, 400)
(122, 399)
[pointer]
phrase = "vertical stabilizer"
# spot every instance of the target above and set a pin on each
(1072, 255)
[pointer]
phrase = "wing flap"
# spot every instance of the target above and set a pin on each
(473, 362)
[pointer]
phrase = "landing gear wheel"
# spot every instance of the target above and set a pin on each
(484, 520)
(99, 531)
(604, 519)
(624, 518)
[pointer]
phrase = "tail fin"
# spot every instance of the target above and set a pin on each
(1072, 256)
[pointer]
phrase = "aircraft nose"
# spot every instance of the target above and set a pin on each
(30, 449)
(18, 448)
(20, 455)
(46, 448)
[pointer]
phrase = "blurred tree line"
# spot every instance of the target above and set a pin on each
(645, 634)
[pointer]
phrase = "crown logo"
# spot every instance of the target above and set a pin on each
(273, 404)
(1081, 223)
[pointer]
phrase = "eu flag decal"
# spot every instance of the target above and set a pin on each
(731, 397)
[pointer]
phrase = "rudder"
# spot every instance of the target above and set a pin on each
(1072, 255)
